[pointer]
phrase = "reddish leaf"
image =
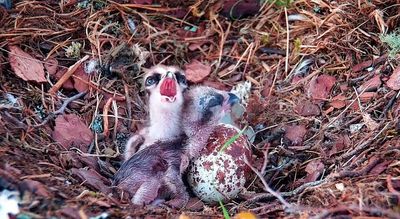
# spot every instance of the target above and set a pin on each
(307, 109)
(36, 187)
(320, 87)
(51, 66)
(394, 80)
(196, 71)
(338, 102)
(25, 66)
(295, 133)
(194, 204)
(69, 212)
(371, 85)
(367, 96)
(314, 170)
(71, 130)
(92, 179)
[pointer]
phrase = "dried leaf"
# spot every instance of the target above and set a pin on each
(314, 169)
(320, 87)
(369, 122)
(71, 130)
(307, 109)
(93, 179)
(394, 80)
(25, 66)
(367, 96)
(338, 102)
(196, 71)
(371, 85)
(295, 134)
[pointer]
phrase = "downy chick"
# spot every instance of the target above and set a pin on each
(154, 173)
(165, 86)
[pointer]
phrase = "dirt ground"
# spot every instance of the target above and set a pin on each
(324, 100)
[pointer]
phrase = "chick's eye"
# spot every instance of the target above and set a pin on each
(181, 78)
(150, 81)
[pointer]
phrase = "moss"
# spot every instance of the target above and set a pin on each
(393, 41)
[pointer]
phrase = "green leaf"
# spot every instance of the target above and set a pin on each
(224, 211)
(233, 139)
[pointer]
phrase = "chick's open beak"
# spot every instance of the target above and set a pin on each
(168, 86)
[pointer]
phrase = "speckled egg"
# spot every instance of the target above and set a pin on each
(220, 175)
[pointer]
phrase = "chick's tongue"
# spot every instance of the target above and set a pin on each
(168, 87)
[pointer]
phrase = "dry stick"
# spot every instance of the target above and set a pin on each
(361, 146)
(285, 194)
(128, 105)
(275, 194)
(287, 42)
(61, 110)
(71, 70)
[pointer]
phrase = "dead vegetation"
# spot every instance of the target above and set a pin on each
(324, 101)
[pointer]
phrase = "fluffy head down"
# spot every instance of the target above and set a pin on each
(204, 106)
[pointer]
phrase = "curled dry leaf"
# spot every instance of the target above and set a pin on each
(320, 87)
(295, 133)
(196, 71)
(25, 66)
(70, 131)
(394, 80)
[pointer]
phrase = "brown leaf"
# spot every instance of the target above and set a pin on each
(93, 179)
(369, 122)
(51, 66)
(307, 109)
(314, 170)
(36, 187)
(394, 80)
(196, 71)
(371, 85)
(25, 66)
(320, 87)
(367, 96)
(71, 130)
(338, 102)
(295, 133)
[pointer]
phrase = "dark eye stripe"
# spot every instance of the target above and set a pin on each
(180, 78)
(152, 79)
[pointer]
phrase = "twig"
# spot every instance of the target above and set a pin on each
(71, 70)
(275, 194)
(287, 42)
(61, 110)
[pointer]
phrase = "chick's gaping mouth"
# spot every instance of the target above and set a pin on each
(168, 89)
